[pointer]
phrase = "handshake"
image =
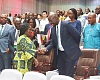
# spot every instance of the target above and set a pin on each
(41, 50)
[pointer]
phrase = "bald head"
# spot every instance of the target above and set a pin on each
(92, 14)
(92, 18)
(53, 19)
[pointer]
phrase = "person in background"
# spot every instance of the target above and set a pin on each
(43, 22)
(39, 17)
(26, 50)
(14, 35)
(4, 41)
(32, 23)
(97, 11)
(33, 35)
(35, 15)
(83, 23)
(91, 34)
(9, 21)
(72, 13)
(66, 40)
(10, 17)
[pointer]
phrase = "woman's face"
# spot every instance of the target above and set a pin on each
(71, 14)
(31, 22)
(29, 31)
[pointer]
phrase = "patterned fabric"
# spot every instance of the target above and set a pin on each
(24, 55)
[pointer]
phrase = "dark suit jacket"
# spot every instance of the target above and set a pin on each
(70, 39)
(46, 29)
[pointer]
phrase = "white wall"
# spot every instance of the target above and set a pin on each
(92, 4)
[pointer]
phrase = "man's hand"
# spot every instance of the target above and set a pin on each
(8, 50)
(42, 50)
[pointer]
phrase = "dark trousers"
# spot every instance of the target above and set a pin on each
(65, 64)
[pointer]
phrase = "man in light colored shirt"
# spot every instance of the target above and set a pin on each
(43, 22)
(91, 34)
(97, 11)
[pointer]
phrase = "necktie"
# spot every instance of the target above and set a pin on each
(48, 34)
(1, 30)
(17, 35)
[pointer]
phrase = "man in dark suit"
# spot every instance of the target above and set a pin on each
(14, 34)
(66, 39)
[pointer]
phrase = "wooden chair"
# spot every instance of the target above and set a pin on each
(45, 62)
(87, 64)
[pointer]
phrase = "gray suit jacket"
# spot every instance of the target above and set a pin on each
(4, 38)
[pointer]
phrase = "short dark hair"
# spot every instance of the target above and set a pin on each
(44, 12)
(23, 28)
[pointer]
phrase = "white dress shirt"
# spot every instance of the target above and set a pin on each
(43, 22)
(60, 47)
(17, 34)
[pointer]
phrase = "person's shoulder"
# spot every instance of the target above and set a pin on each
(66, 24)
(78, 21)
(47, 24)
(87, 26)
(10, 26)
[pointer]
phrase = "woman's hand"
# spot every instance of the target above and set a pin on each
(36, 62)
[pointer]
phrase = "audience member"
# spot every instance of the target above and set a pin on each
(66, 40)
(26, 50)
(14, 35)
(97, 11)
(72, 13)
(4, 42)
(43, 22)
(91, 35)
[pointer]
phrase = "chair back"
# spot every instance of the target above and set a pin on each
(10, 74)
(49, 74)
(45, 62)
(61, 77)
(34, 76)
(89, 59)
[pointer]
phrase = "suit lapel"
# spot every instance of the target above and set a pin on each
(5, 29)
(61, 29)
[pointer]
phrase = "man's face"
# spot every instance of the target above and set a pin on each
(54, 21)
(44, 15)
(17, 24)
(97, 10)
(91, 19)
(79, 12)
(3, 19)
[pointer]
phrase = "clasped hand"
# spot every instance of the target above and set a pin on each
(41, 50)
